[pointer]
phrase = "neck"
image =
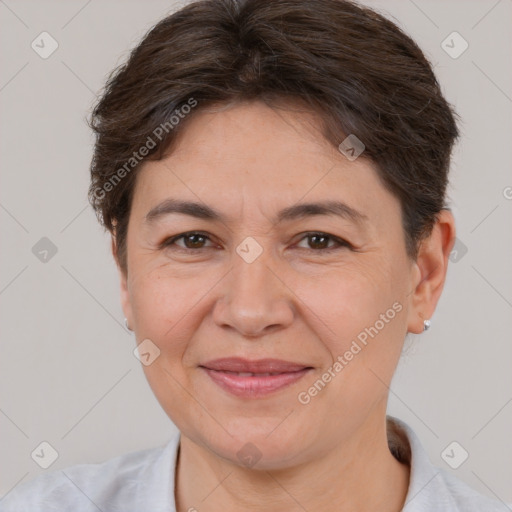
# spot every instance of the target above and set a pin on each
(356, 475)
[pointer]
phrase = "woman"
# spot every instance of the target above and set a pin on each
(273, 175)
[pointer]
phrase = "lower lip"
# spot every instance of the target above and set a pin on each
(255, 386)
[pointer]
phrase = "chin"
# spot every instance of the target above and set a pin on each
(257, 446)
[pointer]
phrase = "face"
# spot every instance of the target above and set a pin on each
(319, 297)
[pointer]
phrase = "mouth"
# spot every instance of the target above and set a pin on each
(254, 379)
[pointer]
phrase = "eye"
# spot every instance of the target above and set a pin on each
(191, 240)
(323, 242)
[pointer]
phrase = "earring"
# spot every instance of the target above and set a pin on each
(126, 325)
(426, 325)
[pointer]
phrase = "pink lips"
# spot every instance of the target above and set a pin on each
(253, 379)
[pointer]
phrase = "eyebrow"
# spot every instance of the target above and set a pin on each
(294, 212)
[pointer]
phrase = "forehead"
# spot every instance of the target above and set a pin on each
(252, 134)
(255, 155)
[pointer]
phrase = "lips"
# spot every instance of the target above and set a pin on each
(239, 365)
(253, 378)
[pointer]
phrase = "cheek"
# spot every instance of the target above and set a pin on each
(363, 324)
(167, 310)
(355, 304)
(167, 307)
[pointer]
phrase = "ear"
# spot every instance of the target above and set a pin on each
(431, 265)
(123, 282)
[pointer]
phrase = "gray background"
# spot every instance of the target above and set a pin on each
(68, 374)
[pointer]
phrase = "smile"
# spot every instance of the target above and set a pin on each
(254, 379)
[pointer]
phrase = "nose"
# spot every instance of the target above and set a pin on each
(254, 299)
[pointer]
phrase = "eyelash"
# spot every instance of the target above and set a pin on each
(341, 244)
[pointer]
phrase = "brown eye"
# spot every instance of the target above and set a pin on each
(322, 242)
(194, 241)
(318, 241)
(189, 241)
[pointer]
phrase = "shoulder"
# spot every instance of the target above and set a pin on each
(430, 487)
(466, 498)
(122, 483)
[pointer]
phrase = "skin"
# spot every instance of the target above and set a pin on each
(294, 302)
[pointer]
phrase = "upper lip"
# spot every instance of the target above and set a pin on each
(238, 364)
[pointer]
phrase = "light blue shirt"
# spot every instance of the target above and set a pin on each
(143, 481)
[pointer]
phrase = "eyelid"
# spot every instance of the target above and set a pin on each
(171, 240)
(341, 242)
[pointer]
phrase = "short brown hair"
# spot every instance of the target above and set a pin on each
(353, 67)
